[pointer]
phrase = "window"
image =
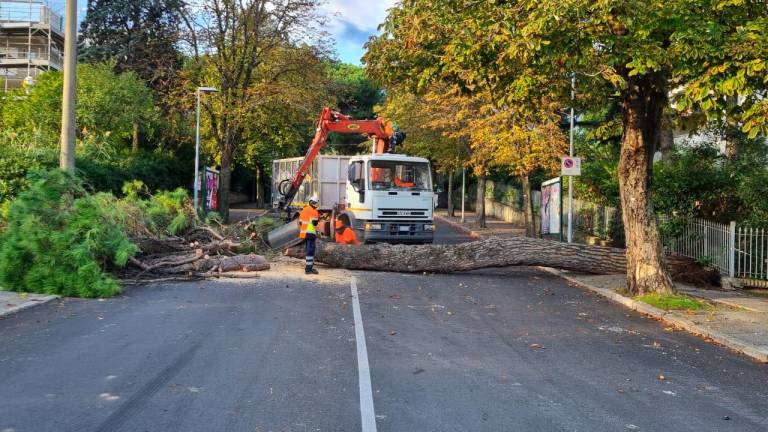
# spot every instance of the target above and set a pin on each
(393, 175)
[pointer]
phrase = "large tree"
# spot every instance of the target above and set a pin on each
(248, 49)
(136, 35)
(109, 105)
(520, 141)
(421, 117)
(699, 51)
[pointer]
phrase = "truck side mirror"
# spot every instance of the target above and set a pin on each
(355, 177)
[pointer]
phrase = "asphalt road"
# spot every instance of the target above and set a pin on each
(501, 350)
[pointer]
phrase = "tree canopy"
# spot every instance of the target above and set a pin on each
(701, 53)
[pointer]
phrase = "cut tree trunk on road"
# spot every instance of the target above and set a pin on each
(492, 252)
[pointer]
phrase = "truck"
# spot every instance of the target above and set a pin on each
(381, 197)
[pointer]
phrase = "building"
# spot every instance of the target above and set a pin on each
(31, 40)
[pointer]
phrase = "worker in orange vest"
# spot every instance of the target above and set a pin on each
(345, 234)
(308, 220)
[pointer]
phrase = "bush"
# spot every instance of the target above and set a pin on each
(60, 240)
(158, 171)
(57, 238)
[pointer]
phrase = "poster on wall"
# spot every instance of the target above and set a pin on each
(551, 207)
(211, 189)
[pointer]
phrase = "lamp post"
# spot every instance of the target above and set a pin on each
(200, 90)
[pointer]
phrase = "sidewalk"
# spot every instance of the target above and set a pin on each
(12, 302)
(494, 227)
(734, 319)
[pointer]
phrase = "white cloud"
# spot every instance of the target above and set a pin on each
(365, 15)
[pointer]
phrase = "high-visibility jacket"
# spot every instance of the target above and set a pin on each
(345, 234)
(403, 183)
(308, 217)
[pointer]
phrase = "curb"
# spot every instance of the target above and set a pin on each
(27, 304)
(755, 352)
(459, 227)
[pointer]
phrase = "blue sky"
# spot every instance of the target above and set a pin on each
(351, 23)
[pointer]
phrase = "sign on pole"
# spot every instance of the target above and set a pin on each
(570, 166)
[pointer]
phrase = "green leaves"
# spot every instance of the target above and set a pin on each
(58, 239)
(108, 105)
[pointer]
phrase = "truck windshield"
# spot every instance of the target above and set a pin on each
(395, 175)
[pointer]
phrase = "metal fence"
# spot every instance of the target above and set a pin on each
(735, 251)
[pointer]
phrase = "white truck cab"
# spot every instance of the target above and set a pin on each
(389, 198)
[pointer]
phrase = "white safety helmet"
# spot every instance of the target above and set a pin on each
(314, 201)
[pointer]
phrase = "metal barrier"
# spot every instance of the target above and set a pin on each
(735, 251)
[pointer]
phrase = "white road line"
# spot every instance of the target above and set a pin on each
(367, 414)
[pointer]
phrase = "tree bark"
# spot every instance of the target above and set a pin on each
(643, 102)
(480, 203)
(451, 206)
(530, 219)
(225, 183)
(666, 144)
(259, 187)
(489, 252)
(135, 137)
(493, 252)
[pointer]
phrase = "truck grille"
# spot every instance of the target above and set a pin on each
(398, 213)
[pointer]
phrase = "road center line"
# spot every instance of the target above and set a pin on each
(367, 414)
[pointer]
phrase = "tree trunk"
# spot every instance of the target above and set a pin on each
(224, 185)
(480, 203)
(492, 252)
(666, 144)
(530, 219)
(451, 206)
(489, 252)
(259, 187)
(135, 137)
(643, 102)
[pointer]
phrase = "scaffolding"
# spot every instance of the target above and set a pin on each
(31, 40)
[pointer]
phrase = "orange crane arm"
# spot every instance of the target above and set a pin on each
(331, 121)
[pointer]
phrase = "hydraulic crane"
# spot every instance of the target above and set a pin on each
(386, 197)
(387, 139)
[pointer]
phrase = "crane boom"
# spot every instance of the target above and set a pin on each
(331, 121)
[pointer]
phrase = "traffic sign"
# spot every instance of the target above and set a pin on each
(570, 166)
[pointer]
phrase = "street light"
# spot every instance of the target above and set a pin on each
(197, 142)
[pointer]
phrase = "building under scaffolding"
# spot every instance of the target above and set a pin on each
(31, 41)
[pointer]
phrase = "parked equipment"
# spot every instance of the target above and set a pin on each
(381, 197)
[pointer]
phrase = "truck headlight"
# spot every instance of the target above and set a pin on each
(429, 227)
(372, 227)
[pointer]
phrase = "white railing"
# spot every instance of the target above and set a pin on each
(735, 251)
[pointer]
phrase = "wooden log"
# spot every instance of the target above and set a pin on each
(490, 252)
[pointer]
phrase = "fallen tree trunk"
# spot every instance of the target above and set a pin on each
(494, 252)
(490, 252)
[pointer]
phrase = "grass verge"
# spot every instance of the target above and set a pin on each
(672, 302)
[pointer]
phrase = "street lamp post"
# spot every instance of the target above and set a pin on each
(200, 90)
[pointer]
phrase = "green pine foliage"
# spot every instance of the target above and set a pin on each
(165, 213)
(58, 239)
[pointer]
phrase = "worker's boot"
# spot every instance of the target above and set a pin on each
(310, 270)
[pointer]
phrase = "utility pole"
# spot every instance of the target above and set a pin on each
(67, 151)
(570, 178)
